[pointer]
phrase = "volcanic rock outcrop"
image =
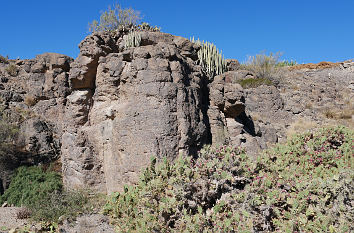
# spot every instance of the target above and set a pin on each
(106, 113)
(127, 105)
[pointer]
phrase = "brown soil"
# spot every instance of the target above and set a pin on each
(321, 65)
(9, 220)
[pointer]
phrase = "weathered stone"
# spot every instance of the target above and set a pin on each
(113, 108)
(232, 64)
(150, 104)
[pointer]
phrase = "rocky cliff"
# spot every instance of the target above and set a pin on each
(107, 112)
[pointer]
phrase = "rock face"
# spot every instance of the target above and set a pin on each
(35, 100)
(106, 113)
(129, 105)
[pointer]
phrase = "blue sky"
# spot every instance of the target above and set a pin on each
(306, 31)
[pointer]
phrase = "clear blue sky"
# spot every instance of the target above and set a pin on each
(304, 30)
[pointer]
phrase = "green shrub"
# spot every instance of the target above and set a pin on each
(254, 82)
(57, 204)
(12, 70)
(305, 185)
(211, 60)
(264, 66)
(286, 63)
(114, 18)
(30, 185)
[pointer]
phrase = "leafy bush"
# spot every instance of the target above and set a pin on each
(264, 66)
(305, 185)
(12, 70)
(57, 204)
(114, 18)
(30, 185)
(254, 82)
(209, 57)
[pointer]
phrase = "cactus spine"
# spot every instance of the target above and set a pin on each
(209, 57)
(133, 39)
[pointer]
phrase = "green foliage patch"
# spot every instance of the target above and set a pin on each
(30, 185)
(305, 185)
(254, 82)
(285, 63)
(57, 204)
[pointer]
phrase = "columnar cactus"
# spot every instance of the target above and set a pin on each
(133, 39)
(210, 58)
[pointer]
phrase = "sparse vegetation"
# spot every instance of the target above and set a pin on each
(4, 60)
(23, 213)
(12, 70)
(263, 65)
(57, 204)
(285, 63)
(210, 58)
(144, 26)
(114, 18)
(8, 133)
(254, 82)
(30, 100)
(329, 113)
(305, 185)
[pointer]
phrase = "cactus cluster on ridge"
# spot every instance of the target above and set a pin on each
(133, 39)
(210, 58)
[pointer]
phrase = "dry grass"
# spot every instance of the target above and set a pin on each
(308, 105)
(12, 70)
(264, 66)
(30, 100)
(329, 113)
(321, 65)
(300, 126)
(256, 116)
(4, 60)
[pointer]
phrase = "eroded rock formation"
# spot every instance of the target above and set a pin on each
(106, 113)
(129, 105)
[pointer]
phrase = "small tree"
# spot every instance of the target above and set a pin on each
(115, 17)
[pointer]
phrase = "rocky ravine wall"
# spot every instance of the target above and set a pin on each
(109, 110)
(127, 106)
